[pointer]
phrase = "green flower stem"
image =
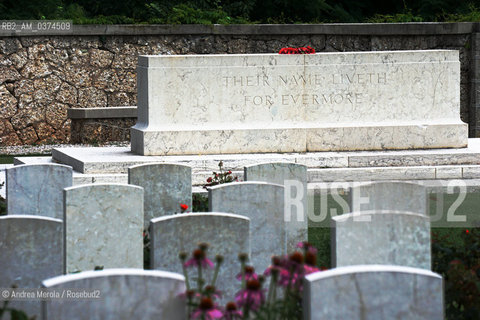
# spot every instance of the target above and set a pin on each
(246, 308)
(287, 293)
(199, 280)
(244, 282)
(4, 308)
(189, 308)
(185, 274)
(274, 296)
(272, 291)
(270, 298)
(215, 274)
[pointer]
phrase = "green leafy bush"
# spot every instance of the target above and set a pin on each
(104, 20)
(472, 15)
(184, 14)
(456, 256)
(14, 313)
(26, 9)
(399, 17)
(234, 11)
(199, 202)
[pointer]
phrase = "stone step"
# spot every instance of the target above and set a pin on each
(117, 159)
(326, 175)
(426, 172)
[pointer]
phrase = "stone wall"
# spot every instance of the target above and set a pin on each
(42, 76)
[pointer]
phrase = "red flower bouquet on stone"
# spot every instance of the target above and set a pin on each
(300, 50)
(220, 177)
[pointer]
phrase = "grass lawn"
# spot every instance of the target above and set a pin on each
(8, 159)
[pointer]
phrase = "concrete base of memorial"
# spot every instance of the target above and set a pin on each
(109, 164)
(342, 138)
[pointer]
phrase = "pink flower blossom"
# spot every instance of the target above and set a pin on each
(281, 265)
(292, 271)
(288, 279)
(189, 294)
(207, 310)
(249, 274)
(199, 258)
(232, 312)
(310, 269)
(307, 247)
(252, 295)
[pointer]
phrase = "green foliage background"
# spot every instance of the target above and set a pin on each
(233, 11)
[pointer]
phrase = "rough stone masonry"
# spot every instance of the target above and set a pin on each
(94, 66)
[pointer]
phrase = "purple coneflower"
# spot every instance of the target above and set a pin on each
(277, 264)
(252, 296)
(232, 312)
(207, 310)
(292, 271)
(249, 273)
(199, 258)
(307, 247)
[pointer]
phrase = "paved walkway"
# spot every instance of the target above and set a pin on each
(45, 149)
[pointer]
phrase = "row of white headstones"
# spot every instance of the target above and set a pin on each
(382, 254)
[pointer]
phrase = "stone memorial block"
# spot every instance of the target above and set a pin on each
(166, 186)
(341, 101)
(123, 294)
(293, 177)
(227, 234)
(36, 189)
(389, 195)
(261, 202)
(103, 226)
(30, 251)
(373, 292)
(381, 237)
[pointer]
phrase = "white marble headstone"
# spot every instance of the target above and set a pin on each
(125, 294)
(293, 177)
(381, 237)
(373, 292)
(103, 226)
(30, 251)
(36, 189)
(166, 186)
(389, 195)
(227, 235)
(261, 202)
